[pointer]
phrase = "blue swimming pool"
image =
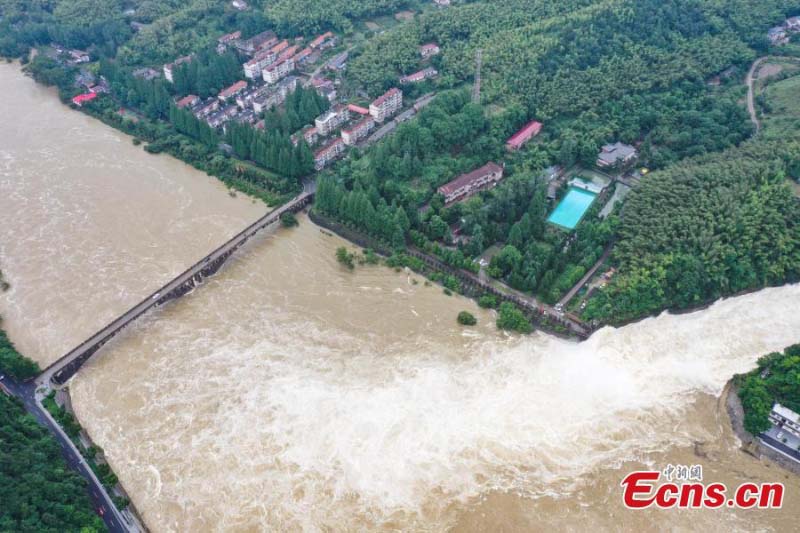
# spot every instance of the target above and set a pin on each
(572, 207)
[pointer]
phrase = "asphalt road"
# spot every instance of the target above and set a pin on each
(101, 501)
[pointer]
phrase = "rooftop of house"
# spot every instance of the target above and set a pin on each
(233, 89)
(228, 37)
(328, 146)
(187, 100)
(358, 109)
(321, 39)
(527, 131)
(469, 177)
(786, 413)
(612, 152)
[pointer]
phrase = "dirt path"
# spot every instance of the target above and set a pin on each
(752, 76)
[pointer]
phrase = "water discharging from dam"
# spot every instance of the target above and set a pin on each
(289, 393)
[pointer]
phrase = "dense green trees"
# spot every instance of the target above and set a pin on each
(311, 16)
(37, 491)
(465, 318)
(512, 319)
(207, 73)
(776, 379)
(705, 228)
(14, 363)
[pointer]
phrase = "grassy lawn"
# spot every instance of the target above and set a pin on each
(783, 98)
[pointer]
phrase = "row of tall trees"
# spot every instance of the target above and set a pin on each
(301, 107)
(271, 149)
(207, 73)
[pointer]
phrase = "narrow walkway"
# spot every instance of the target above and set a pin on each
(574, 290)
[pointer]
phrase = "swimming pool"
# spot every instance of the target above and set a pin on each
(572, 207)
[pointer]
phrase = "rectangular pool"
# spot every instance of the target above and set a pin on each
(572, 207)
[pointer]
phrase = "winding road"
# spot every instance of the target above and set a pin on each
(752, 76)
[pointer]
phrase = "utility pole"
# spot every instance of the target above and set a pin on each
(476, 88)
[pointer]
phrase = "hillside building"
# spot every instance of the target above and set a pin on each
(523, 135)
(468, 184)
(332, 120)
(358, 131)
(328, 153)
(387, 104)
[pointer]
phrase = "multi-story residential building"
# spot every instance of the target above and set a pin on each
(333, 119)
(220, 117)
(280, 47)
(328, 153)
(187, 101)
(303, 56)
(785, 419)
(419, 76)
(203, 109)
(274, 96)
(232, 91)
(324, 87)
(169, 68)
(338, 62)
(309, 134)
(428, 50)
(260, 61)
(276, 71)
(387, 104)
(468, 184)
(358, 131)
(288, 52)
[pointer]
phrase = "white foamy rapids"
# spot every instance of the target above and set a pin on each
(327, 436)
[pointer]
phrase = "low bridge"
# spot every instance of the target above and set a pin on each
(62, 370)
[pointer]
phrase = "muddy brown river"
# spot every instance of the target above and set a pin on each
(289, 394)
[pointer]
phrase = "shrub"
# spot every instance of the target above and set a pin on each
(465, 318)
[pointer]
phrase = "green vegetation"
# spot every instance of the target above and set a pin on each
(345, 258)
(705, 228)
(14, 363)
(37, 490)
(512, 319)
(288, 220)
(775, 379)
(488, 301)
(465, 318)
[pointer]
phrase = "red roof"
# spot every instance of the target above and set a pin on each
(280, 46)
(528, 131)
(187, 100)
(81, 98)
(330, 146)
(289, 52)
(381, 99)
(233, 89)
(321, 39)
(230, 37)
(358, 109)
(469, 177)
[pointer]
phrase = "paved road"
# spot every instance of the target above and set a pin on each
(97, 493)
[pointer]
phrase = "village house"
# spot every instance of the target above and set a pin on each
(777, 35)
(78, 56)
(146, 73)
(324, 87)
(169, 68)
(241, 5)
(275, 96)
(338, 62)
(419, 76)
(328, 153)
(303, 56)
(232, 91)
(468, 184)
(525, 134)
(326, 40)
(332, 120)
(309, 134)
(358, 131)
(353, 108)
(219, 118)
(203, 109)
(280, 69)
(612, 154)
(188, 101)
(387, 104)
(428, 50)
(83, 98)
(247, 116)
(256, 43)
(227, 40)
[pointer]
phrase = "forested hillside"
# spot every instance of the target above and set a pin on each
(37, 490)
(775, 379)
(705, 228)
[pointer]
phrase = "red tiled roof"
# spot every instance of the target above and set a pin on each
(529, 130)
(230, 37)
(81, 98)
(233, 89)
(358, 109)
(469, 177)
(302, 53)
(280, 46)
(186, 100)
(321, 39)
(358, 125)
(289, 52)
(329, 146)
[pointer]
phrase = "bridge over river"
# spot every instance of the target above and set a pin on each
(63, 369)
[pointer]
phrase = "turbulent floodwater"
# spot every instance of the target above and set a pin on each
(290, 394)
